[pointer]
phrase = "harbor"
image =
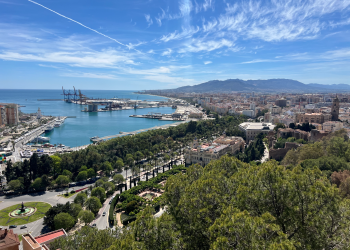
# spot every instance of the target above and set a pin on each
(78, 131)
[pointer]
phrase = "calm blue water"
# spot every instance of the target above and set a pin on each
(78, 131)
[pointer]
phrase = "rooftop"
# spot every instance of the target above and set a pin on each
(8, 237)
(49, 236)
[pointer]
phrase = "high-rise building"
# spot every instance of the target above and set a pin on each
(12, 114)
(3, 120)
(335, 109)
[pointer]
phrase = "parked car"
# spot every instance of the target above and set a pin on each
(93, 225)
(23, 227)
(12, 226)
(104, 214)
(110, 202)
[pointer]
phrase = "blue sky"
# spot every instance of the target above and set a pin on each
(159, 44)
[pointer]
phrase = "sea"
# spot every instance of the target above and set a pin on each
(78, 131)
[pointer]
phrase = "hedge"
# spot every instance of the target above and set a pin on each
(111, 209)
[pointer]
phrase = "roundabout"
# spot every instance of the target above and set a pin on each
(24, 213)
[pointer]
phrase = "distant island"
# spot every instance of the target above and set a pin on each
(268, 86)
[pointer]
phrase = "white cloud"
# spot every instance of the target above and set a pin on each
(186, 33)
(177, 81)
(89, 75)
(207, 62)
(103, 59)
(167, 52)
(200, 45)
(260, 61)
(149, 20)
(208, 4)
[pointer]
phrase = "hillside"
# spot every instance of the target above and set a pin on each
(270, 85)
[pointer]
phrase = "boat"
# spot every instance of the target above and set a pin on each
(61, 146)
(57, 125)
(48, 129)
(94, 138)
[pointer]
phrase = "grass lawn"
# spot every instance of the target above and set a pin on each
(69, 194)
(125, 217)
(6, 220)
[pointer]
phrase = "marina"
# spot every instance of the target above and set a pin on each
(78, 131)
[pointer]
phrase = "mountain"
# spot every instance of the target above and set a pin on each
(270, 85)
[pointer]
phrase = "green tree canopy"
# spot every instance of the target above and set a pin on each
(118, 179)
(62, 180)
(86, 216)
(100, 193)
(82, 176)
(15, 185)
(93, 204)
(80, 198)
(64, 220)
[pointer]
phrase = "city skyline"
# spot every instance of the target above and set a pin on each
(158, 45)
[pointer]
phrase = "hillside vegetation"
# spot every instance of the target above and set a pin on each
(234, 205)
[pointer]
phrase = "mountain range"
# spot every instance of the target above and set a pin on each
(270, 85)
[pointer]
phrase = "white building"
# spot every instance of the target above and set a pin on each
(249, 113)
(332, 126)
(252, 129)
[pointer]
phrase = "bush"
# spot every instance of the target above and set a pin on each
(111, 209)
(72, 192)
(131, 206)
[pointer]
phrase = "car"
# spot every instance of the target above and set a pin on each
(12, 226)
(93, 225)
(104, 214)
(23, 227)
(110, 202)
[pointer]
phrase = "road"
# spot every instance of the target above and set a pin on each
(51, 197)
(36, 228)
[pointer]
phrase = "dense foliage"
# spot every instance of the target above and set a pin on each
(124, 152)
(230, 204)
(255, 150)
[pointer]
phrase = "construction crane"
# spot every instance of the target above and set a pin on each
(74, 94)
(64, 94)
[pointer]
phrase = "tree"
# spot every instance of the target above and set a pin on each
(119, 165)
(15, 185)
(86, 216)
(108, 186)
(279, 125)
(82, 176)
(64, 220)
(87, 238)
(62, 180)
(93, 204)
(75, 209)
(118, 179)
(37, 184)
(56, 164)
(100, 193)
(107, 168)
(67, 173)
(240, 229)
(91, 173)
(80, 198)
(9, 171)
(83, 168)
